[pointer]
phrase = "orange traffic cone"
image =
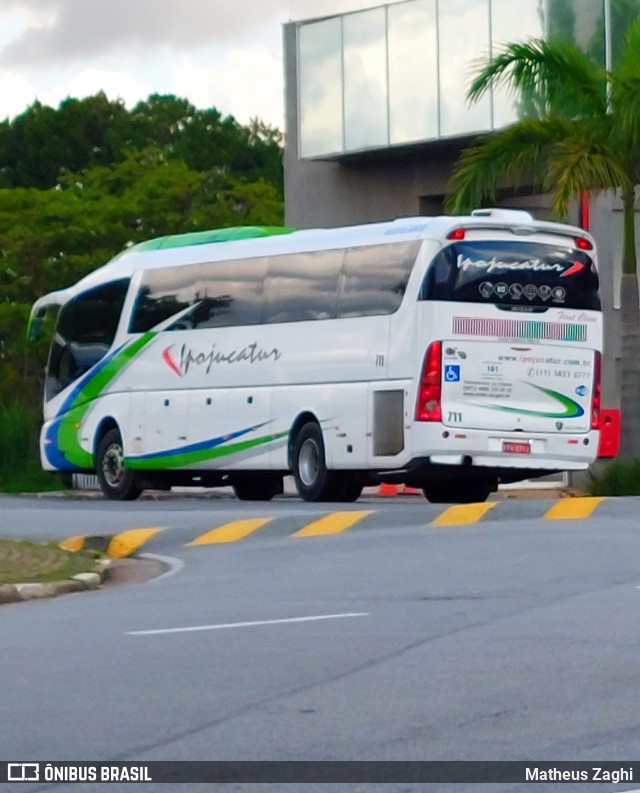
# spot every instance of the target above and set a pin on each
(405, 490)
(386, 490)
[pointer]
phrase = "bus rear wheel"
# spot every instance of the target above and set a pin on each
(257, 487)
(458, 493)
(116, 482)
(313, 481)
(347, 489)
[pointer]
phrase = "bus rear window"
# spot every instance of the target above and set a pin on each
(519, 276)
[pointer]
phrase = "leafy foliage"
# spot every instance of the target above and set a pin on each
(19, 465)
(83, 133)
(620, 478)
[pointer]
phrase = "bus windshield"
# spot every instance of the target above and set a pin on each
(84, 333)
(517, 276)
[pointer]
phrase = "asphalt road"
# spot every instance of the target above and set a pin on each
(514, 636)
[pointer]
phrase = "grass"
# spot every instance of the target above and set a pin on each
(31, 480)
(28, 562)
(618, 478)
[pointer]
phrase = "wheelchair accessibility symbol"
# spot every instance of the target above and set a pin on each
(452, 373)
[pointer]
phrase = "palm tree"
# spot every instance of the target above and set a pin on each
(583, 134)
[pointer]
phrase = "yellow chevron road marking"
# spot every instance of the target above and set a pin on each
(72, 544)
(572, 508)
(461, 514)
(333, 523)
(230, 532)
(128, 542)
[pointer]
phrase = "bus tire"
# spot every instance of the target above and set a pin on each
(460, 493)
(348, 489)
(257, 487)
(117, 483)
(313, 481)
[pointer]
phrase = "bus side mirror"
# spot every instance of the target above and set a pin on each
(34, 329)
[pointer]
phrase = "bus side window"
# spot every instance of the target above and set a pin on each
(302, 286)
(228, 294)
(374, 279)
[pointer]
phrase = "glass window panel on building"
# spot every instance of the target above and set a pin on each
(463, 35)
(580, 21)
(320, 87)
(623, 13)
(413, 71)
(512, 22)
(365, 80)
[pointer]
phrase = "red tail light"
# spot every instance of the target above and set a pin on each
(595, 400)
(583, 244)
(456, 234)
(429, 393)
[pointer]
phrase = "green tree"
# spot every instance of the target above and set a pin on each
(51, 238)
(585, 135)
(81, 133)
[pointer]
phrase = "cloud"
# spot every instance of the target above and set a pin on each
(16, 92)
(64, 31)
(67, 31)
(244, 83)
(308, 9)
(115, 84)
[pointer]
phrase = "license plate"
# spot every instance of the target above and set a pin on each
(516, 447)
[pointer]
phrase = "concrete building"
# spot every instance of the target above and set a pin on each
(376, 114)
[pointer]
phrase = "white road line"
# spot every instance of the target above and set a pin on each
(222, 626)
(175, 565)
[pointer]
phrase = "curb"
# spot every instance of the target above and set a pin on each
(15, 593)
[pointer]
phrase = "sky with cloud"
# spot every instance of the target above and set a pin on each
(215, 53)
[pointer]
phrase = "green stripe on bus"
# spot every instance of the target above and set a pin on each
(202, 455)
(215, 235)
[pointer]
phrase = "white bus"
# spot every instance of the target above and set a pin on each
(448, 353)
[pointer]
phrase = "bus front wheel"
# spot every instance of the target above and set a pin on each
(116, 482)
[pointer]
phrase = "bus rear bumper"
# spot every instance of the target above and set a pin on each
(482, 456)
(495, 449)
(509, 461)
